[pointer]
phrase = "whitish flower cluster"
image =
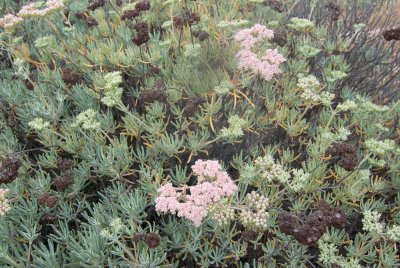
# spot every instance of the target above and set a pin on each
(309, 85)
(223, 88)
(221, 212)
(87, 120)
(299, 24)
(40, 9)
(4, 202)
(270, 170)
(365, 105)
(225, 24)
(38, 124)
(327, 252)
(299, 179)
(235, 129)
(348, 105)
(393, 233)
(116, 227)
(342, 134)
(380, 147)
(21, 68)
(112, 91)
(192, 50)
(255, 215)
(9, 22)
(371, 222)
(328, 255)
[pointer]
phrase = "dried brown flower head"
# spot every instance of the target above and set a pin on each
(64, 164)
(247, 236)
(70, 77)
(308, 230)
(130, 14)
(47, 200)
(344, 154)
(152, 240)
(275, 5)
(280, 37)
(95, 4)
(62, 182)
(9, 169)
(334, 10)
(142, 6)
(157, 93)
(201, 35)
(392, 34)
(142, 35)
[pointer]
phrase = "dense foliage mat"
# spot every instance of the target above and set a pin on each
(177, 133)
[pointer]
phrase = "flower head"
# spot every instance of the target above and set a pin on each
(87, 120)
(4, 202)
(249, 37)
(38, 124)
(213, 184)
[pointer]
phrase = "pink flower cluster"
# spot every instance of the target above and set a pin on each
(213, 184)
(268, 64)
(249, 37)
(31, 10)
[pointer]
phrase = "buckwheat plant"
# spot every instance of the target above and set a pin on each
(241, 133)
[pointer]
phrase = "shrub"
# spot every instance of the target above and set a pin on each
(198, 134)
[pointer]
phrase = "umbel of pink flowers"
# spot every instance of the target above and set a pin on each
(268, 64)
(213, 183)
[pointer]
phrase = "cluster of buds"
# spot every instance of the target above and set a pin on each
(213, 184)
(221, 213)
(310, 86)
(255, 216)
(133, 13)
(300, 178)
(9, 169)
(270, 170)
(87, 120)
(371, 222)
(4, 202)
(116, 228)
